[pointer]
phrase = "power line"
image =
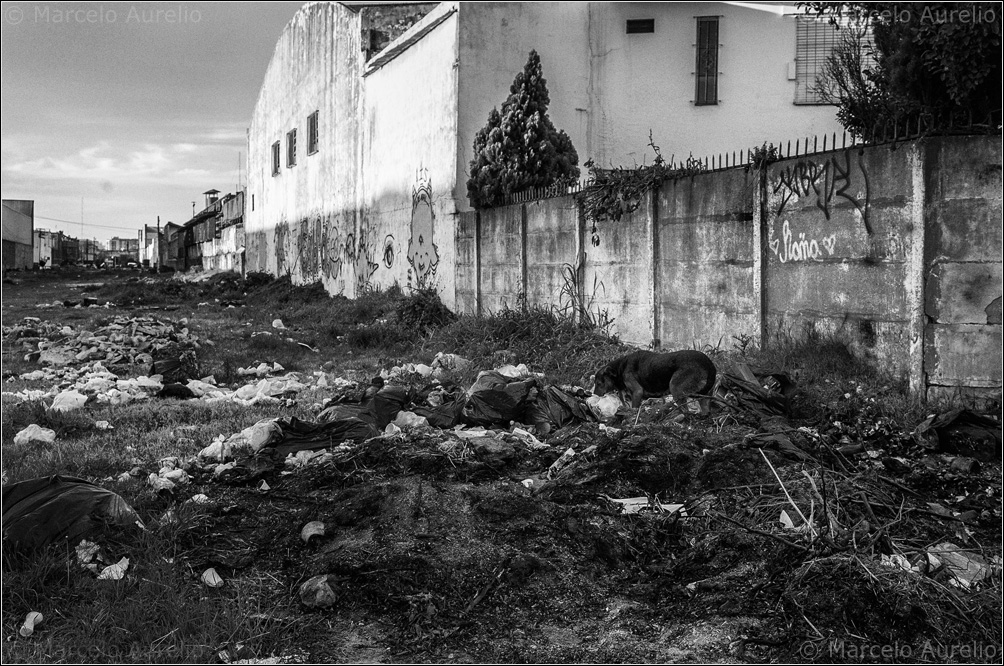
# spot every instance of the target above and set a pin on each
(74, 222)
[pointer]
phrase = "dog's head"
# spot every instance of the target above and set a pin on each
(604, 382)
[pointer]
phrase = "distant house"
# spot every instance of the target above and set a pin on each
(214, 238)
(43, 250)
(173, 247)
(358, 160)
(124, 249)
(149, 246)
(18, 234)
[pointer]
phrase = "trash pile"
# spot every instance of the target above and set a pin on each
(126, 340)
(452, 510)
(413, 397)
(80, 363)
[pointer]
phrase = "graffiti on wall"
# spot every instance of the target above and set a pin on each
(827, 181)
(423, 254)
(389, 252)
(360, 253)
(788, 248)
(332, 249)
(281, 239)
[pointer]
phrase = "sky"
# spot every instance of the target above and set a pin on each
(114, 113)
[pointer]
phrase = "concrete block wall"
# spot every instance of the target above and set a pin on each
(840, 236)
(705, 286)
(897, 249)
(618, 275)
(501, 254)
(962, 305)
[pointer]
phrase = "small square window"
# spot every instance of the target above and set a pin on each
(276, 164)
(291, 148)
(312, 133)
(639, 26)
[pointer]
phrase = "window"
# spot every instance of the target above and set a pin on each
(638, 26)
(707, 61)
(252, 203)
(312, 133)
(815, 40)
(275, 159)
(291, 148)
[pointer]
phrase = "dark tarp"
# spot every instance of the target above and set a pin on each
(556, 409)
(300, 435)
(963, 432)
(39, 511)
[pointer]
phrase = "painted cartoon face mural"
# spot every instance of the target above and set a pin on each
(423, 255)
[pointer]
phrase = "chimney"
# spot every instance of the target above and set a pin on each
(212, 196)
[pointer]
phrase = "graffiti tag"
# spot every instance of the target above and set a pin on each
(828, 181)
(788, 248)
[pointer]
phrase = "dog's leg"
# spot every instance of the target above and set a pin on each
(637, 393)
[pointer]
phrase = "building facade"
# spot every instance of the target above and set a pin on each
(18, 234)
(357, 161)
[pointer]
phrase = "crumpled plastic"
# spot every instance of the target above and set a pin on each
(68, 401)
(35, 433)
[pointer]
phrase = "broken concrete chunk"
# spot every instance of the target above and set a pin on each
(319, 591)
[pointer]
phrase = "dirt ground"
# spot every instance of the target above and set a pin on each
(809, 532)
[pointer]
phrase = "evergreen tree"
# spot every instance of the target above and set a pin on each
(520, 149)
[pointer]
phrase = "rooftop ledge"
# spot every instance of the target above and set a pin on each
(416, 32)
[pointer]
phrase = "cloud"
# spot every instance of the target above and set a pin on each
(122, 165)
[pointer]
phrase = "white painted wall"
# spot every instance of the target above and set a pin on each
(646, 81)
(409, 162)
(609, 88)
(298, 222)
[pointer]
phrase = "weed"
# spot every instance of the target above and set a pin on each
(422, 311)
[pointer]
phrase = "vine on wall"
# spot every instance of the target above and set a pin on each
(617, 191)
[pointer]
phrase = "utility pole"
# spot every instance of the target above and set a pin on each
(156, 266)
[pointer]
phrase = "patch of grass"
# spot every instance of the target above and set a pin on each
(546, 341)
(159, 613)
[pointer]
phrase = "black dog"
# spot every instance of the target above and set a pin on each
(645, 374)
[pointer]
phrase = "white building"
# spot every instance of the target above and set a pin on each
(357, 168)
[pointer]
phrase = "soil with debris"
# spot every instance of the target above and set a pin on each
(439, 549)
(765, 531)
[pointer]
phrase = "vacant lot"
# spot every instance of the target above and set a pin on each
(816, 514)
